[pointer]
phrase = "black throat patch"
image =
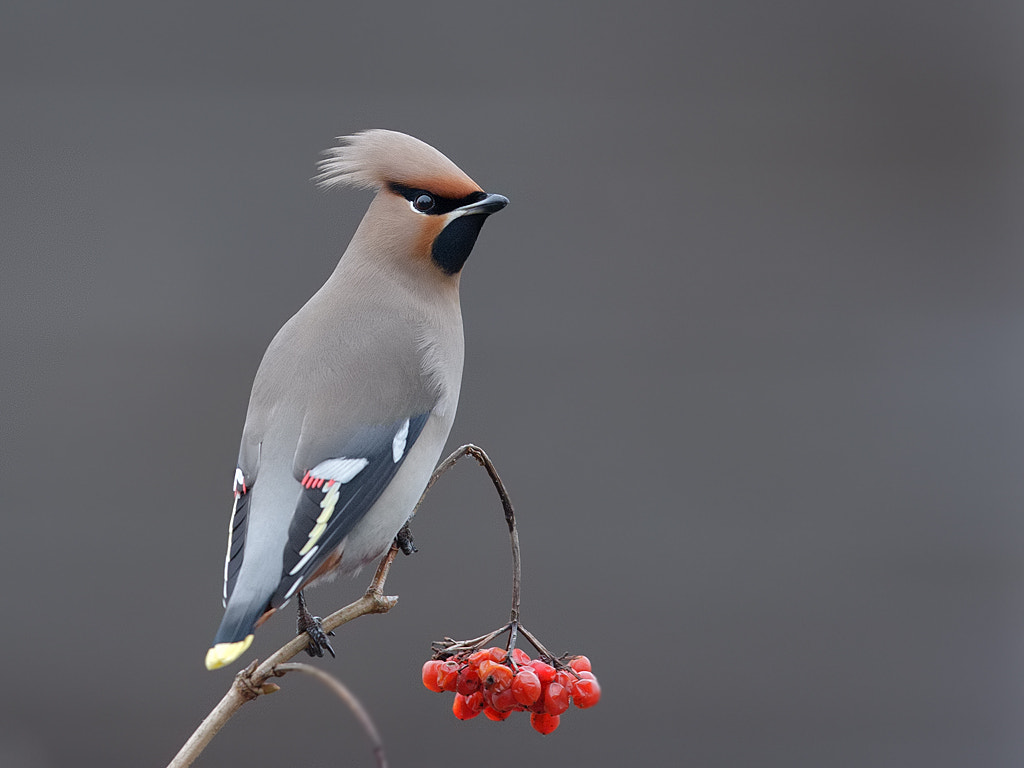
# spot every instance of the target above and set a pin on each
(452, 247)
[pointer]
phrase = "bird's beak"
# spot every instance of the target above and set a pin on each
(489, 204)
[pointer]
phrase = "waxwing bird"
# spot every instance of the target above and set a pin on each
(356, 394)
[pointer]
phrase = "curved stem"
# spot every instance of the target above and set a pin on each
(510, 518)
(346, 696)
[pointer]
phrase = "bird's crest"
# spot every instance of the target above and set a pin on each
(373, 159)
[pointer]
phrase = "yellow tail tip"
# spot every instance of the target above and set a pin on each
(224, 653)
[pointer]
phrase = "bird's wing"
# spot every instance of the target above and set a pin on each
(337, 492)
(237, 525)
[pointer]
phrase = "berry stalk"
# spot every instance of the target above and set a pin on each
(510, 520)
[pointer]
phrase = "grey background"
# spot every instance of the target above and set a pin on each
(746, 347)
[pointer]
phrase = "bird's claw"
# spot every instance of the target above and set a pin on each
(313, 626)
(404, 540)
(318, 642)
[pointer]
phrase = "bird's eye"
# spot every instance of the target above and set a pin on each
(423, 203)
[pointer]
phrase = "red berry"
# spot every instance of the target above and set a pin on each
(544, 723)
(477, 656)
(526, 686)
(484, 667)
(565, 678)
(504, 701)
(519, 656)
(580, 664)
(556, 698)
(430, 670)
(538, 705)
(493, 714)
(467, 681)
(448, 674)
(494, 675)
(465, 708)
(545, 672)
(585, 691)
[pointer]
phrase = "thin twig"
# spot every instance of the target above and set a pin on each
(536, 643)
(449, 646)
(251, 682)
(348, 697)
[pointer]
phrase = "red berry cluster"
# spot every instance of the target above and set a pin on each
(497, 683)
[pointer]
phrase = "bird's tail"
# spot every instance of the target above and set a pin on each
(235, 633)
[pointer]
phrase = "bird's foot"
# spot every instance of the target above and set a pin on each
(313, 626)
(404, 540)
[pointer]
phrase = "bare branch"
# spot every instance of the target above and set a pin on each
(251, 682)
